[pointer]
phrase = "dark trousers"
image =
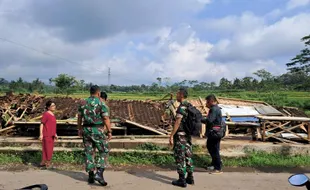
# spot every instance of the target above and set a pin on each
(213, 146)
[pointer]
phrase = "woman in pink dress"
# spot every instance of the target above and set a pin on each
(48, 133)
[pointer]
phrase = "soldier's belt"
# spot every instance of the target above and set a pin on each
(93, 125)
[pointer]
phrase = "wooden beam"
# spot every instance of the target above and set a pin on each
(243, 123)
(285, 140)
(35, 118)
(7, 128)
(302, 119)
(144, 127)
(309, 130)
(203, 105)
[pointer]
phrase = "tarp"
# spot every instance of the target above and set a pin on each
(244, 119)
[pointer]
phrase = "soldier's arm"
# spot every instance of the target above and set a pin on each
(179, 115)
(79, 120)
(176, 126)
(106, 119)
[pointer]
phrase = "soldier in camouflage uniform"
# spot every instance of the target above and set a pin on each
(182, 143)
(170, 113)
(94, 115)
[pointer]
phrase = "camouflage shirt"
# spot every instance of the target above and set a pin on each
(182, 113)
(92, 111)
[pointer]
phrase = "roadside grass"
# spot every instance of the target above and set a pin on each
(253, 159)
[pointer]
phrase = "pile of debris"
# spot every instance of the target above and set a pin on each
(28, 109)
(133, 116)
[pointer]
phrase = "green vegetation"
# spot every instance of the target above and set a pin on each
(253, 159)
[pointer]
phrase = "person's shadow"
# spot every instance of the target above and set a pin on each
(151, 175)
(79, 176)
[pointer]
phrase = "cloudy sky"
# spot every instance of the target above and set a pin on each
(141, 40)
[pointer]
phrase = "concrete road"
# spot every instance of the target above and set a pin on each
(141, 180)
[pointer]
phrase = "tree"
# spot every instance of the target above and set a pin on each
(159, 80)
(3, 81)
(247, 83)
(193, 82)
(301, 62)
(225, 84)
(37, 85)
(263, 74)
(237, 84)
(64, 82)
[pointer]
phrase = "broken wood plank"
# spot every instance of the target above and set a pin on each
(144, 127)
(130, 112)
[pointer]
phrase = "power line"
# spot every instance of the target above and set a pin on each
(38, 51)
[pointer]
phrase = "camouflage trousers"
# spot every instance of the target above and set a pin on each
(94, 138)
(183, 154)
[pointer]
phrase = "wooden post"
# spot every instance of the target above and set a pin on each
(308, 130)
(203, 127)
(264, 130)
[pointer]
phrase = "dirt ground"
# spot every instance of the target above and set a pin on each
(142, 179)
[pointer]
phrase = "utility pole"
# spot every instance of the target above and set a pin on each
(109, 76)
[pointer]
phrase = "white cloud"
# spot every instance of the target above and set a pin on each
(292, 4)
(264, 41)
(142, 41)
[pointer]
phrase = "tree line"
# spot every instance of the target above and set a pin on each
(297, 78)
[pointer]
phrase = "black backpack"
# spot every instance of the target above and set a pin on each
(193, 121)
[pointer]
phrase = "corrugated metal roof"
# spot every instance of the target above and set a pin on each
(267, 110)
(233, 110)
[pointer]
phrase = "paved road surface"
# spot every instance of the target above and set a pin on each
(141, 180)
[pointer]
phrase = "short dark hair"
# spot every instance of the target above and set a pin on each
(94, 89)
(184, 92)
(104, 95)
(48, 104)
(211, 97)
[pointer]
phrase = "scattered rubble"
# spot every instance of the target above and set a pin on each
(26, 110)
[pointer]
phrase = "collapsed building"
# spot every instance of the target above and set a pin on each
(20, 116)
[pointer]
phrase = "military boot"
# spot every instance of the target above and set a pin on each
(180, 182)
(190, 179)
(91, 177)
(99, 177)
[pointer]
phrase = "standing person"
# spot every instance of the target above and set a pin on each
(104, 99)
(94, 115)
(182, 143)
(213, 122)
(48, 133)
